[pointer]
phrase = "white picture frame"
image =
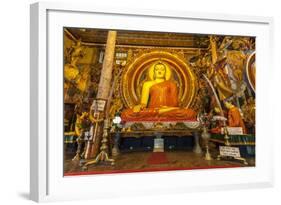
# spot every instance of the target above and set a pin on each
(46, 157)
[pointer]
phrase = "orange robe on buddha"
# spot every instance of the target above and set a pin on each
(161, 95)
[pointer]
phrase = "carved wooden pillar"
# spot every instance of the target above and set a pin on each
(93, 147)
(107, 67)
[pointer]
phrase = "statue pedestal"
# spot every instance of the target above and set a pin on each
(160, 129)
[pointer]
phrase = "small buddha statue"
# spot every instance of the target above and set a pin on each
(159, 99)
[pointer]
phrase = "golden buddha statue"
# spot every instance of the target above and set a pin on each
(159, 99)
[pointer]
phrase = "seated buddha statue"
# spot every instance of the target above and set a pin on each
(159, 99)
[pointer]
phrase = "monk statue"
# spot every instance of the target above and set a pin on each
(159, 100)
(234, 117)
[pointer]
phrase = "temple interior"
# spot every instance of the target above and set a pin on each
(137, 101)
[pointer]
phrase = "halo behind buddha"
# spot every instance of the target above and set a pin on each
(141, 68)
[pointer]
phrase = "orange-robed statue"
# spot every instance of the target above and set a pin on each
(234, 117)
(159, 99)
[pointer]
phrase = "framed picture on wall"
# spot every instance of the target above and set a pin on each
(172, 99)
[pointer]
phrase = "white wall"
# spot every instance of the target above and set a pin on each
(14, 80)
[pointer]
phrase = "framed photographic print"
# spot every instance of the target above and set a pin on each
(147, 101)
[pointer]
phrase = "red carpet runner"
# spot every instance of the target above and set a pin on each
(157, 158)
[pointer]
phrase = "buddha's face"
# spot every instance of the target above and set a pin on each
(159, 71)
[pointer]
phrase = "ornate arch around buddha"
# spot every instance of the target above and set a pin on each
(251, 70)
(136, 72)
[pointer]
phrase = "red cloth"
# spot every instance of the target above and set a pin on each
(157, 158)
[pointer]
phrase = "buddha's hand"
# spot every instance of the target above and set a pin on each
(138, 108)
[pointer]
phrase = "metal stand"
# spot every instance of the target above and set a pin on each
(103, 155)
(208, 156)
(197, 149)
(219, 157)
(226, 137)
(206, 136)
(77, 157)
(115, 149)
(227, 143)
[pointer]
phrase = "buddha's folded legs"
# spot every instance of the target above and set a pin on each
(179, 114)
(155, 115)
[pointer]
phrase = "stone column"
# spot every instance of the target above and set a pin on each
(93, 148)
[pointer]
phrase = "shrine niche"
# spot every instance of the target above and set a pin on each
(137, 72)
